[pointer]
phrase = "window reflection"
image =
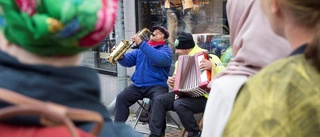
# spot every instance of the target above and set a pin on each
(205, 19)
(97, 57)
(103, 52)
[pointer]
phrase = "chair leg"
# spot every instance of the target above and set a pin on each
(183, 132)
(200, 123)
(143, 106)
(137, 118)
(200, 127)
(174, 121)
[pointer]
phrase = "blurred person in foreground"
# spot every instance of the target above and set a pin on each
(152, 60)
(40, 46)
(254, 46)
(283, 98)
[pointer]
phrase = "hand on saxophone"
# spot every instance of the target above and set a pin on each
(171, 80)
(136, 39)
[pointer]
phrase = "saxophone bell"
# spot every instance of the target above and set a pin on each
(123, 46)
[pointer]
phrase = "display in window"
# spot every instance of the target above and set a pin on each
(179, 17)
(151, 14)
(193, 16)
(205, 19)
(214, 43)
(103, 52)
(105, 48)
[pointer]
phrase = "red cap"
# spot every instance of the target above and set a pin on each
(163, 30)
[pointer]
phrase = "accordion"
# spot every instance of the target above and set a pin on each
(190, 80)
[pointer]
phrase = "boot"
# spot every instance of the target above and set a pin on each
(194, 134)
(162, 135)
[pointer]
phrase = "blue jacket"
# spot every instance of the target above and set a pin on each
(152, 64)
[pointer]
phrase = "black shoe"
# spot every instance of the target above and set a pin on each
(194, 134)
(152, 135)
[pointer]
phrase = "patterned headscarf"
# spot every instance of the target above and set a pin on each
(57, 27)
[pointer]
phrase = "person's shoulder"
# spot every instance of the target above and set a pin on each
(286, 72)
(163, 47)
(288, 81)
(284, 65)
(213, 56)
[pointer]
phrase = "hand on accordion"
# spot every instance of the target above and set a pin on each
(205, 64)
(171, 80)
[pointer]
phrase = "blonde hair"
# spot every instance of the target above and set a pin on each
(307, 14)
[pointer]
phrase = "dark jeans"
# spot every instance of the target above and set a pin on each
(185, 108)
(132, 94)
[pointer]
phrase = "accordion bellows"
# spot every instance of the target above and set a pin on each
(190, 80)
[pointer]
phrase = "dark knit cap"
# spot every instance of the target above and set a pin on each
(184, 41)
(163, 30)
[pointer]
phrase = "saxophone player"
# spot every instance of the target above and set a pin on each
(152, 60)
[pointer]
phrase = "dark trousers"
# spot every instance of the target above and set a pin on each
(132, 94)
(185, 108)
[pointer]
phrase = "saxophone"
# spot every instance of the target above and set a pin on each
(123, 46)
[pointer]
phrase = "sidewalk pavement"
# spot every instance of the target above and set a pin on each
(171, 130)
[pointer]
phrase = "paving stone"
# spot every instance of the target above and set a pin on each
(171, 131)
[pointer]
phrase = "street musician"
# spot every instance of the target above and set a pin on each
(152, 60)
(185, 106)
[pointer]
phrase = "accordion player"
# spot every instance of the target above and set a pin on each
(190, 80)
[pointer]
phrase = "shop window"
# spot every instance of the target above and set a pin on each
(205, 19)
(97, 58)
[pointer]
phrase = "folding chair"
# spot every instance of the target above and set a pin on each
(171, 117)
(145, 101)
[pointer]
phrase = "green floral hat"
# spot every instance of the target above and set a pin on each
(57, 27)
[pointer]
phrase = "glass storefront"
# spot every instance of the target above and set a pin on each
(205, 19)
(97, 57)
